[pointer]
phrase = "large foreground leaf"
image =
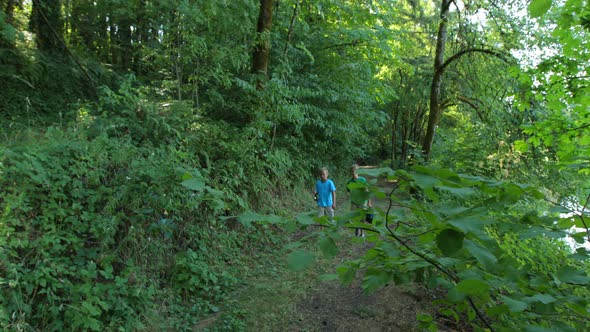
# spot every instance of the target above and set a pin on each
(299, 260)
(449, 241)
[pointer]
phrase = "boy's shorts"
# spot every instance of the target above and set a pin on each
(368, 216)
(326, 211)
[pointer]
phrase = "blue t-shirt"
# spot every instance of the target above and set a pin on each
(324, 190)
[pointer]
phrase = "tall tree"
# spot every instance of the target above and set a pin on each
(7, 28)
(435, 87)
(262, 48)
(437, 103)
(46, 22)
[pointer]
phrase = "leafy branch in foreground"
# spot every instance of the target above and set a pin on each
(495, 249)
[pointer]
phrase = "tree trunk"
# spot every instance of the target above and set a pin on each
(125, 43)
(141, 38)
(262, 47)
(8, 9)
(394, 122)
(114, 39)
(46, 23)
(435, 89)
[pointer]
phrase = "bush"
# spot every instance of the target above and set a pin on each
(127, 216)
(63, 259)
(90, 228)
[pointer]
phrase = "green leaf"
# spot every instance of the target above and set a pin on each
(307, 218)
(327, 246)
(454, 295)
(532, 328)
(580, 254)
(90, 309)
(359, 192)
(194, 184)
(248, 217)
(544, 309)
(425, 181)
(470, 314)
(470, 224)
(424, 318)
(449, 241)
(538, 8)
(511, 193)
(580, 309)
(292, 226)
(346, 273)
(448, 175)
(389, 249)
(497, 310)
(481, 254)
(375, 172)
(380, 195)
(572, 275)
(473, 287)
(374, 279)
(92, 324)
(521, 146)
(543, 298)
(449, 262)
(299, 260)
(461, 192)
(514, 305)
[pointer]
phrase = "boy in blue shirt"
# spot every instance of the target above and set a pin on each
(325, 193)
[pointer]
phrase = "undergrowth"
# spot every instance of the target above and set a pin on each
(125, 217)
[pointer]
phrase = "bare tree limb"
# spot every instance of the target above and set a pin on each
(461, 53)
(472, 103)
(291, 25)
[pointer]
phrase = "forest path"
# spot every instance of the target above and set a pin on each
(332, 306)
(274, 298)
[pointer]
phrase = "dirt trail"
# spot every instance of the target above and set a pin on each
(335, 307)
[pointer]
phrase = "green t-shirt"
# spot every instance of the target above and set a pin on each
(359, 191)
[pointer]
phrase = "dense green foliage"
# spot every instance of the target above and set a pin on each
(102, 225)
(501, 264)
(143, 162)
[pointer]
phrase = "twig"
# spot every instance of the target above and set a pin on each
(291, 28)
(581, 215)
(432, 262)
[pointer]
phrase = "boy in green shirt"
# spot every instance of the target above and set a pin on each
(358, 188)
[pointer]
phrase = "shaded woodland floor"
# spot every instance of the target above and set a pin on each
(336, 307)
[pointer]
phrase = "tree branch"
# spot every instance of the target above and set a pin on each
(472, 50)
(584, 126)
(291, 25)
(433, 263)
(471, 102)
